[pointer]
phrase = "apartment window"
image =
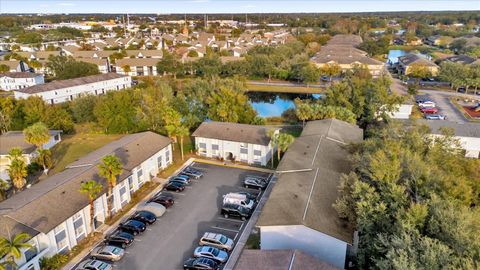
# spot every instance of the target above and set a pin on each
(159, 162)
(257, 152)
(140, 176)
(130, 183)
(243, 157)
(61, 239)
(31, 267)
(123, 195)
(167, 156)
(31, 252)
(202, 149)
(78, 226)
(215, 151)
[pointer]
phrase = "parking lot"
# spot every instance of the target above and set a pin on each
(172, 239)
(444, 106)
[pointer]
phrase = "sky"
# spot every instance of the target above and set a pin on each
(230, 6)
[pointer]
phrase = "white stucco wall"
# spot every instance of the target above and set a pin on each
(226, 147)
(404, 112)
(7, 83)
(312, 242)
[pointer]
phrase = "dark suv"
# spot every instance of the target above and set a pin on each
(235, 210)
(119, 239)
(132, 226)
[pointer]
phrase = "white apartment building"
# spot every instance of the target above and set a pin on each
(58, 229)
(13, 139)
(18, 80)
(231, 141)
(67, 90)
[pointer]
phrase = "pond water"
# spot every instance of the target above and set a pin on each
(394, 54)
(274, 104)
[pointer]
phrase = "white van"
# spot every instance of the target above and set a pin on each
(239, 199)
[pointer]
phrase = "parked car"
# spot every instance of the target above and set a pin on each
(239, 199)
(429, 110)
(94, 265)
(175, 186)
(200, 264)
(435, 116)
(213, 253)
(426, 104)
(192, 173)
(109, 253)
(182, 175)
(132, 226)
(179, 181)
(249, 195)
(154, 208)
(119, 239)
(164, 200)
(144, 216)
(235, 210)
(216, 240)
(254, 183)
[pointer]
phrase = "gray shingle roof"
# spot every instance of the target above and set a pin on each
(17, 139)
(21, 74)
(313, 164)
(233, 132)
(410, 59)
(50, 202)
(462, 130)
(69, 83)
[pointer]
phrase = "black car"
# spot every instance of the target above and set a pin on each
(174, 186)
(164, 200)
(144, 216)
(200, 263)
(119, 239)
(132, 226)
(235, 210)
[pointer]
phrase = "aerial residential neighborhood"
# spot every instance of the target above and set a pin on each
(239, 135)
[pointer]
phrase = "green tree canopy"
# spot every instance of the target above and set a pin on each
(68, 68)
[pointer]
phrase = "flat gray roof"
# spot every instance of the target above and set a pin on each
(50, 202)
(309, 176)
(463, 130)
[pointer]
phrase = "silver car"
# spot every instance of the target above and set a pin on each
(216, 240)
(213, 253)
(110, 253)
(94, 265)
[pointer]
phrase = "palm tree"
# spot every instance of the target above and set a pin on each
(181, 132)
(126, 69)
(284, 141)
(92, 189)
(4, 186)
(110, 168)
(11, 247)
(37, 134)
(17, 170)
(45, 159)
(273, 135)
(15, 153)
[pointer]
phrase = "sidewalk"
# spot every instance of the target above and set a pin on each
(105, 229)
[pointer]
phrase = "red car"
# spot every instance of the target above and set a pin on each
(163, 200)
(429, 110)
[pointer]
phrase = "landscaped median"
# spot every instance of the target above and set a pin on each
(462, 109)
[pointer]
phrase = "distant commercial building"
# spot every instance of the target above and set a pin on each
(67, 90)
(19, 80)
(299, 214)
(231, 141)
(57, 216)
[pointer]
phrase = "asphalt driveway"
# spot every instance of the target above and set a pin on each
(172, 239)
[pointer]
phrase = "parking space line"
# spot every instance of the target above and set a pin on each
(229, 219)
(235, 238)
(225, 229)
(241, 226)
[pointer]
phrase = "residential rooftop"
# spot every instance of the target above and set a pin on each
(60, 84)
(410, 59)
(19, 75)
(50, 202)
(309, 176)
(459, 129)
(13, 139)
(233, 132)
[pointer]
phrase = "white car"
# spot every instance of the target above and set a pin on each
(94, 265)
(427, 104)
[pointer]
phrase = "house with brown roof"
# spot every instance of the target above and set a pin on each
(232, 141)
(57, 216)
(341, 50)
(299, 213)
(137, 66)
(407, 62)
(15, 65)
(67, 90)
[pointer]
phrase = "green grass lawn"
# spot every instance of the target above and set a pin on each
(72, 147)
